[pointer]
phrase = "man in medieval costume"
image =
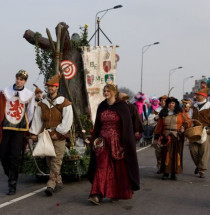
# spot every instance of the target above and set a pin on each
(54, 113)
(200, 150)
(137, 123)
(16, 112)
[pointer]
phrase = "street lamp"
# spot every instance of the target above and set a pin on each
(144, 49)
(97, 19)
(184, 80)
(170, 73)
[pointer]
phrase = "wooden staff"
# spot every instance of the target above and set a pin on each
(51, 41)
(170, 91)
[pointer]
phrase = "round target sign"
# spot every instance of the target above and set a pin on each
(69, 69)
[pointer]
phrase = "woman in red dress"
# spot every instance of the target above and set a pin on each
(113, 169)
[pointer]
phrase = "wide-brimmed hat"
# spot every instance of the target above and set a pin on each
(163, 97)
(54, 81)
(203, 92)
(171, 99)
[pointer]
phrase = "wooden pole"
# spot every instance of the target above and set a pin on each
(98, 21)
(57, 52)
(51, 40)
(63, 36)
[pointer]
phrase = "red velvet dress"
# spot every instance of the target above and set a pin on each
(111, 176)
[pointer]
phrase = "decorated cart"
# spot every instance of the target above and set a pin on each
(84, 71)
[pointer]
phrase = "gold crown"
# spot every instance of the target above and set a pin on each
(111, 83)
(23, 72)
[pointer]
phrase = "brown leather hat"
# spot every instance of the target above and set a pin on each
(37, 90)
(54, 81)
(203, 92)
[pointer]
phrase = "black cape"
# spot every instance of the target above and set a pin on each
(127, 140)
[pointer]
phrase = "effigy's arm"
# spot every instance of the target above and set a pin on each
(42, 41)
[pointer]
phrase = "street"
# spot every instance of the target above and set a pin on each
(188, 195)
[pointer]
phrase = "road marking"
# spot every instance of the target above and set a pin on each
(143, 148)
(40, 190)
(22, 197)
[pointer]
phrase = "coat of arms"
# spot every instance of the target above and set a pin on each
(107, 66)
(90, 79)
(109, 78)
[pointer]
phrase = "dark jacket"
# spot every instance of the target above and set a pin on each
(137, 124)
(127, 140)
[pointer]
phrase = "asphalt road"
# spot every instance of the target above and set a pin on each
(188, 195)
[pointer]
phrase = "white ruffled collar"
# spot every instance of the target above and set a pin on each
(24, 95)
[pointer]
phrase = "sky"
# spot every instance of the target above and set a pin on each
(181, 27)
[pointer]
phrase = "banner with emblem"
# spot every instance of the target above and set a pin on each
(100, 68)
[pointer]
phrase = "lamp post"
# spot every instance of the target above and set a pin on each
(144, 49)
(97, 19)
(184, 80)
(170, 73)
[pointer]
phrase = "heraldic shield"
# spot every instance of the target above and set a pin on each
(107, 66)
(15, 111)
(90, 79)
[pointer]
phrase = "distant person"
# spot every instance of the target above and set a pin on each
(113, 169)
(203, 84)
(169, 134)
(200, 151)
(137, 124)
(187, 107)
(152, 120)
(141, 106)
(16, 112)
(154, 104)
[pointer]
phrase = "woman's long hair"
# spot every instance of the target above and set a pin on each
(177, 108)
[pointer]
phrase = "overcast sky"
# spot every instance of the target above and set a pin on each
(182, 27)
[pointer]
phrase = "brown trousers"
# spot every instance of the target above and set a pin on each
(55, 163)
(200, 153)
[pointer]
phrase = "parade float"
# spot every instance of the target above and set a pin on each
(84, 71)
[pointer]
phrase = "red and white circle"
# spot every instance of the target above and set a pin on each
(70, 69)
